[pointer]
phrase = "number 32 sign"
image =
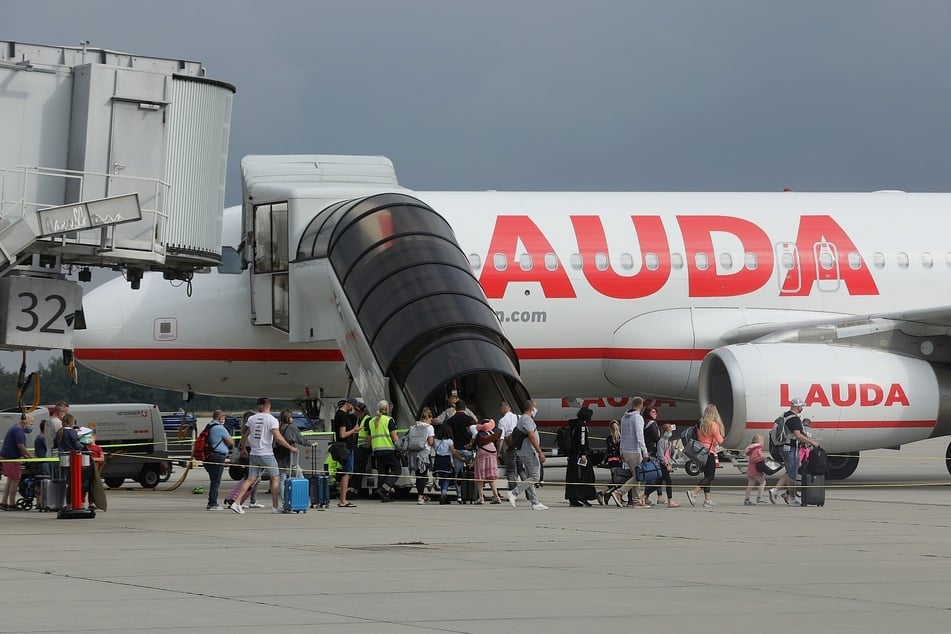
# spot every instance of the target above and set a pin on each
(37, 312)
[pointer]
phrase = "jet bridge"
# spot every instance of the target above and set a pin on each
(415, 319)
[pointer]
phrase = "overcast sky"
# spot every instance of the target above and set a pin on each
(662, 95)
(536, 95)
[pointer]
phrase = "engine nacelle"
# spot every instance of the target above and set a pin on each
(857, 398)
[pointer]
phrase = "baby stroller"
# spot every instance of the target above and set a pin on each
(27, 490)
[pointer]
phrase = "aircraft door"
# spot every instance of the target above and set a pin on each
(828, 277)
(270, 299)
(787, 267)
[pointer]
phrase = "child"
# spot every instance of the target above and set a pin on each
(445, 452)
(663, 455)
(753, 475)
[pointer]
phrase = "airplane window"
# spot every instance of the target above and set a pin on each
(651, 261)
(627, 261)
(601, 261)
(855, 261)
(702, 261)
(726, 261)
(878, 260)
(787, 260)
(576, 261)
(551, 261)
(825, 259)
(902, 258)
(525, 261)
(751, 261)
(677, 260)
(927, 260)
(280, 302)
(475, 262)
(500, 262)
(279, 236)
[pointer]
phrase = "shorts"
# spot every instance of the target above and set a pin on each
(267, 464)
(13, 470)
(791, 461)
(347, 466)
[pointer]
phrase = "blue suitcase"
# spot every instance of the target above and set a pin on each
(319, 491)
(296, 492)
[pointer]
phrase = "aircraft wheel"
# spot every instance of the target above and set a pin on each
(842, 465)
(692, 468)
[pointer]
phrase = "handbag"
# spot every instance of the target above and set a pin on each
(648, 471)
(769, 466)
(621, 474)
(693, 448)
(339, 451)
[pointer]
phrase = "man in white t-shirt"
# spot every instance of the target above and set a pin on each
(507, 423)
(262, 432)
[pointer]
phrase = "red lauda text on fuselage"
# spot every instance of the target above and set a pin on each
(848, 394)
(802, 272)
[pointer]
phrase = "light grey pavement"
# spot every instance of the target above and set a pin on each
(874, 559)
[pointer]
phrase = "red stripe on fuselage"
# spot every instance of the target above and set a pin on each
(255, 354)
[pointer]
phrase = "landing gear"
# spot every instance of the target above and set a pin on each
(947, 458)
(842, 465)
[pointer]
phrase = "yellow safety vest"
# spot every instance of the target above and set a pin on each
(380, 439)
(363, 436)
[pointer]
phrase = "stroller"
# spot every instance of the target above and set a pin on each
(27, 491)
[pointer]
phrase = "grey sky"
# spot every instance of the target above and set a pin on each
(535, 95)
(621, 95)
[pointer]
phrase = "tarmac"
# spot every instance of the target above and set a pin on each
(875, 558)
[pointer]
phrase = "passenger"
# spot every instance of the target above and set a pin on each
(362, 451)
(652, 437)
(663, 457)
(12, 451)
(55, 423)
(220, 442)
(67, 439)
(87, 438)
(383, 439)
(345, 431)
(506, 424)
(633, 452)
(794, 437)
(43, 469)
(262, 432)
(459, 423)
(531, 456)
(250, 492)
(442, 467)
(710, 435)
(487, 459)
(294, 438)
(450, 411)
(612, 456)
(419, 459)
(754, 477)
(579, 474)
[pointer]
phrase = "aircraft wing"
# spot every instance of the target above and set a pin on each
(921, 333)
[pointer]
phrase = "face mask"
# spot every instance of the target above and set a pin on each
(534, 412)
(667, 434)
(29, 429)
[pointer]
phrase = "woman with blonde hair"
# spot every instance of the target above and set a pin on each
(612, 457)
(710, 435)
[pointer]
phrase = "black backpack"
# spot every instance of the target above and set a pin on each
(516, 438)
(563, 440)
(818, 463)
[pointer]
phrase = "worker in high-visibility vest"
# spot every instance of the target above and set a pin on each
(361, 453)
(383, 438)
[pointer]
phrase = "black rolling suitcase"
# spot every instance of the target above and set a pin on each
(319, 485)
(468, 486)
(813, 491)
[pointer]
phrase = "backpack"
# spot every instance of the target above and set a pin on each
(516, 438)
(563, 441)
(416, 437)
(201, 450)
(818, 463)
(779, 434)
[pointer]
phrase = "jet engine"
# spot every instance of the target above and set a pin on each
(857, 398)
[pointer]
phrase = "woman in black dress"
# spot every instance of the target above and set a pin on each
(579, 474)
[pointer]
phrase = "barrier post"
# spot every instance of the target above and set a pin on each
(75, 508)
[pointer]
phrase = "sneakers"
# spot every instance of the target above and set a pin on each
(773, 494)
(255, 505)
(747, 502)
(228, 503)
(691, 496)
(794, 502)
(421, 500)
(236, 507)
(216, 507)
(538, 506)
(760, 501)
(512, 498)
(785, 497)
(275, 510)
(709, 504)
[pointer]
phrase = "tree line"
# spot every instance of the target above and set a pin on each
(94, 387)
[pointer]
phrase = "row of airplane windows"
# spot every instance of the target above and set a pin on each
(826, 257)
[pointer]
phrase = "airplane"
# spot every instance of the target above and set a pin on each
(332, 273)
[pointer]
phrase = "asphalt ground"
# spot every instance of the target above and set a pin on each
(875, 558)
